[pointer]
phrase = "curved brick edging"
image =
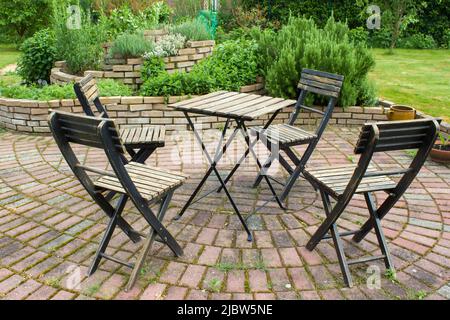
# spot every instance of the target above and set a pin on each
(128, 70)
(31, 115)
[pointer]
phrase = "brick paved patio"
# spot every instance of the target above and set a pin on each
(49, 230)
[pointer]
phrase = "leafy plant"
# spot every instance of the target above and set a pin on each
(359, 34)
(187, 8)
(24, 17)
(168, 45)
(107, 87)
(193, 29)
(152, 67)
(232, 65)
(301, 44)
(123, 19)
(129, 45)
(176, 84)
(397, 15)
(444, 142)
(110, 87)
(391, 275)
(417, 41)
(214, 285)
(38, 56)
(80, 48)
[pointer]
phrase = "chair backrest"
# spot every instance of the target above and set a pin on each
(321, 83)
(68, 129)
(393, 136)
(87, 93)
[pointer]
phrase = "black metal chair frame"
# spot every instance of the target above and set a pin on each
(378, 137)
(101, 133)
(311, 81)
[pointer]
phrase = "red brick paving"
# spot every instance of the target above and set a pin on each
(49, 227)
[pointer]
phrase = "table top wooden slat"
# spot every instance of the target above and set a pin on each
(229, 104)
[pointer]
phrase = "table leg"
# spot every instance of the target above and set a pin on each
(213, 162)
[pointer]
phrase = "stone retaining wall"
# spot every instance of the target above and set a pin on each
(128, 70)
(31, 116)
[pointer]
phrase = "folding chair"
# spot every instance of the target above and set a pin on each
(143, 138)
(342, 182)
(281, 137)
(142, 184)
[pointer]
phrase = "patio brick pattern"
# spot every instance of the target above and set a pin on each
(50, 228)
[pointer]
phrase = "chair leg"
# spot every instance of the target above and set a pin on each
(263, 170)
(378, 230)
(325, 226)
(148, 243)
(130, 151)
(299, 167)
(338, 245)
(108, 234)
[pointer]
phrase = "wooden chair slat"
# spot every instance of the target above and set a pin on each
(318, 90)
(323, 74)
(320, 85)
(325, 80)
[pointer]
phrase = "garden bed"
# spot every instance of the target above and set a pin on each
(128, 70)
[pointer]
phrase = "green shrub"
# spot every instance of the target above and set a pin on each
(301, 44)
(379, 38)
(124, 20)
(359, 34)
(38, 56)
(168, 45)
(22, 18)
(187, 8)
(129, 45)
(417, 41)
(176, 84)
(192, 30)
(152, 67)
(446, 43)
(80, 48)
(107, 87)
(232, 65)
(110, 88)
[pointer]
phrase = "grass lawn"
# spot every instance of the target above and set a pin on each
(418, 78)
(8, 55)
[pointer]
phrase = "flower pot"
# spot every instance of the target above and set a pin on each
(399, 112)
(440, 153)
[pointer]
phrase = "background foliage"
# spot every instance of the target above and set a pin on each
(301, 44)
(38, 56)
(21, 18)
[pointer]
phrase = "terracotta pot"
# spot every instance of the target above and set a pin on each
(399, 112)
(440, 155)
